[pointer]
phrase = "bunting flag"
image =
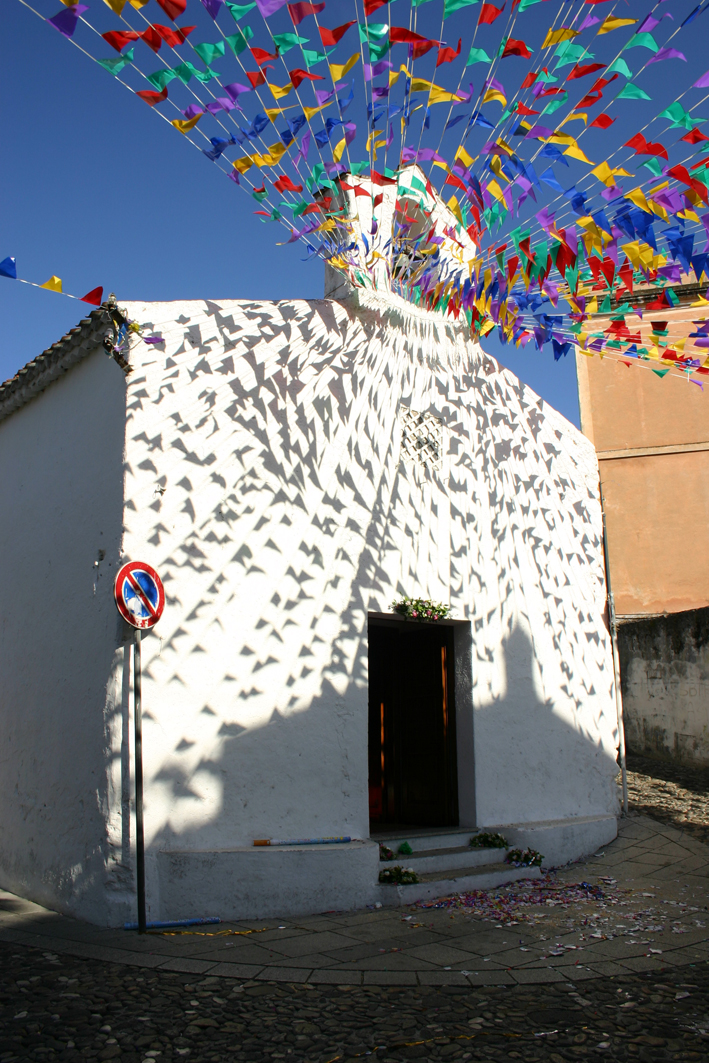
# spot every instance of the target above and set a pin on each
(538, 170)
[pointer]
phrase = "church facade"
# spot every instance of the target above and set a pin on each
(292, 469)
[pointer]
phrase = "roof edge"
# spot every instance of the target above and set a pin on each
(53, 363)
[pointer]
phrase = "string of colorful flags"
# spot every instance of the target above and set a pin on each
(8, 269)
(328, 113)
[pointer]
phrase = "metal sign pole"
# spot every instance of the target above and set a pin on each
(139, 837)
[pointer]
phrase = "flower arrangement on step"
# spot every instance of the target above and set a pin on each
(421, 609)
(488, 840)
(398, 876)
(524, 858)
(385, 853)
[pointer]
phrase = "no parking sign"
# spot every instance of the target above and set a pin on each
(140, 597)
(139, 594)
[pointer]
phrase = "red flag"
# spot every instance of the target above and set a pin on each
(447, 55)
(523, 109)
(301, 10)
(152, 38)
(299, 75)
(357, 189)
(370, 6)
(626, 275)
(262, 56)
(400, 35)
(513, 47)
(422, 47)
(94, 297)
(582, 71)
(694, 136)
(529, 79)
(284, 184)
(451, 179)
(118, 39)
(380, 179)
(151, 98)
(488, 14)
(174, 37)
(173, 8)
(256, 78)
(331, 37)
(642, 147)
(378, 200)
(602, 122)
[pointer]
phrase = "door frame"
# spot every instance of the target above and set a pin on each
(463, 702)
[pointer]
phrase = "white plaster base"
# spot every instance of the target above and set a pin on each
(263, 882)
(561, 840)
(258, 882)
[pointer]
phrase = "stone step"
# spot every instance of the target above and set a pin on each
(460, 856)
(421, 839)
(443, 884)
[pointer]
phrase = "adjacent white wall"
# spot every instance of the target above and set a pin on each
(262, 478)
(61, 485)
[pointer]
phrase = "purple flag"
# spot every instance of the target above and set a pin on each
(235, 90)
(220, 104)
(666, 53)
(193, 110)
(213, 6)
(269, 7)
(373, 70)
(703, 82)
(67, 19)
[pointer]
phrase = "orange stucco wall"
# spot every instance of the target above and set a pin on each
(657, 503)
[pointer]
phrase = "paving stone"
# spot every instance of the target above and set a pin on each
(391, 978)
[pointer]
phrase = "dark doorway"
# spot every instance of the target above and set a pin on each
(412, 747)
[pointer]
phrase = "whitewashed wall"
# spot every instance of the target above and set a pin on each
(263, 479)
(61, 485)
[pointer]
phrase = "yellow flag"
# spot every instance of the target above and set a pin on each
(439, 95)
(557, 36)
(275, 151)
(607, 175)
(54, 284)
(339, 150)
(185, 124)
(494, 94)
(574, 152)
(609, 23)
(137, 4)
(279, 92)
(339, 71)
(466, 159)
(637, 197)
(496, 190)
(573, 117)
(243, 164)
(310, 111)
(115, 5)
(454, 208)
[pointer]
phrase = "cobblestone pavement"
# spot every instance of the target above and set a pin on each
(673, 793)
(60, 1008)
(606, 959)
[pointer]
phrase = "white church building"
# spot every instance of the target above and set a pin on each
(292, 468)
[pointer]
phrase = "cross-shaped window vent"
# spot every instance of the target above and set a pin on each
(421, 438)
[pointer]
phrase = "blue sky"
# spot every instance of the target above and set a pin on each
(97, 190)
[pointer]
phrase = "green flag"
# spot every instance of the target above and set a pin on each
(239, 10)
(619, 66)
(680, 118)
(237, 41)
(161, 78)
(642, 40)
(114, 66)
(632, 92)
(478, 55)
(285, 41)
(450, 6)
(209, 52)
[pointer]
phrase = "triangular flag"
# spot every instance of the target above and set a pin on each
(94, 296)
(8, 268)
(54, 284)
